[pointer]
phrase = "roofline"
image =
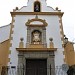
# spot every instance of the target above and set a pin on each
(4, 41)
(5, 25)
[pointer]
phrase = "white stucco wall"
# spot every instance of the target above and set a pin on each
(52, 30)
(4, 33)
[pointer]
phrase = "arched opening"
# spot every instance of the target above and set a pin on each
(36, 37)
(36, 6)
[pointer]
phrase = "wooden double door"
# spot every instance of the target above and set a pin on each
(36, 67)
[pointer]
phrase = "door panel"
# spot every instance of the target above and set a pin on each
(36, 67)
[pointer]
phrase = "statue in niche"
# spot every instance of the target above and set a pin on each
(37, 7)
(36, 37)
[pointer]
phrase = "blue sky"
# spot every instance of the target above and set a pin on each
(66, 6)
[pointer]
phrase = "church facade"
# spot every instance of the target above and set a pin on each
(33, 43)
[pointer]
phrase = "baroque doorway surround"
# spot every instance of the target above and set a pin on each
(40, 54)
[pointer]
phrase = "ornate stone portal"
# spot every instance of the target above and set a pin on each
(36, 48)
(25, 54)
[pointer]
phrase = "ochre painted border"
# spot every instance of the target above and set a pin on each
(61, 29)
(10, 37)
(36, 49)
(37, 13)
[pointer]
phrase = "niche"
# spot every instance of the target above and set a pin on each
(36, 37)
(36, 6)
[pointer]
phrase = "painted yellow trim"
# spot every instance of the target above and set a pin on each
(64, 60)
(60, 21)
(36, 49)
(62, 38)
(12, 26)
(61, 33)
(11, 38)
(37, 13)
(8, 59)
(10, 44)
(9, 51)
(61, 29)
(11, 32)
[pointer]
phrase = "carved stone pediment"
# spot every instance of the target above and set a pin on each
(36, 22)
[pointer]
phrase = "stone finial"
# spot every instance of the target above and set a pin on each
(56, 8)
(21, 44)
(51, 39)
(51, 43)
(16, 8)
(21, 39)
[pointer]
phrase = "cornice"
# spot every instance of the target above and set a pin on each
(37, 13)
(36, 49)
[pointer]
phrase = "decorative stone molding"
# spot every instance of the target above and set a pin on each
(36, 49)
(44, 23)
